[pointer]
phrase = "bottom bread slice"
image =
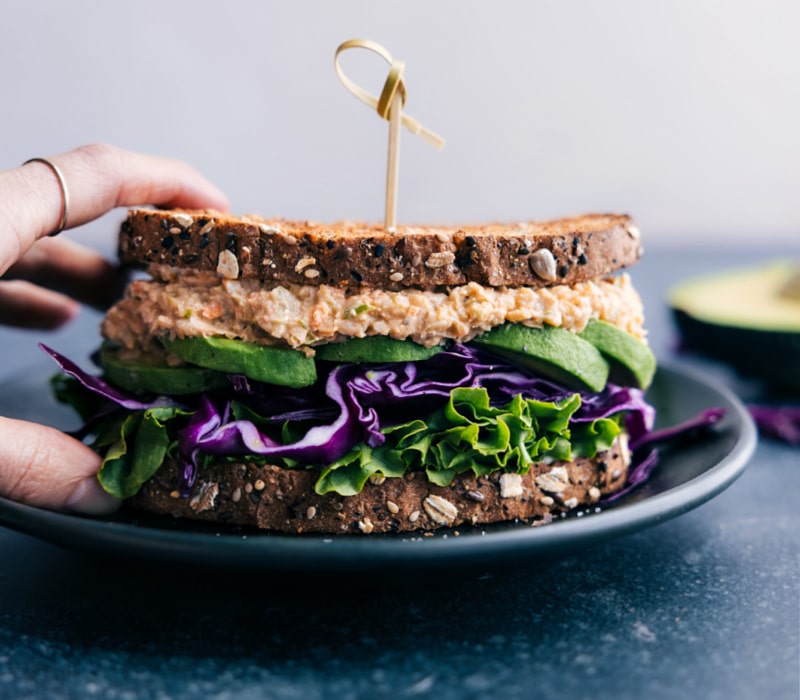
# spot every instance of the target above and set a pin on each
(283, 500)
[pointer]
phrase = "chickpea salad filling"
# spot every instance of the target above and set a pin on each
(181, 303)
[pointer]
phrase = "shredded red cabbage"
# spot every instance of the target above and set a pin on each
(211, 431)
(104, 389)
(682, 431)
(645, 452)
(778, 422)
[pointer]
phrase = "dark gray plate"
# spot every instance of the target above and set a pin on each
(686, 477)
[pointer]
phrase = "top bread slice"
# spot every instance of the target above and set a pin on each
(346, 254)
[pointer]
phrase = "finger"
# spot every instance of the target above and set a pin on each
(43, 467)
(98, 178)
(25, 305)
(166, 183)
(68, 267)
(101, 177)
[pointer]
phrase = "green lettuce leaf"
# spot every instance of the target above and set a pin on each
(348, 475)
(469, 434)
(137, 445)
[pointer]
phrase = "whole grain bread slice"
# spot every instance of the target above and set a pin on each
(283, 500)
(534, 254)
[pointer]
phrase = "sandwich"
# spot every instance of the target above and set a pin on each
(300, 377)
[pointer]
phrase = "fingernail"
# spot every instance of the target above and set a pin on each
(89, 498)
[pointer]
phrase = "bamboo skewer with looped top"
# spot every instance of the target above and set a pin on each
(390, 107)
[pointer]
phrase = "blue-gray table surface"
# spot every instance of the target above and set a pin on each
(703, 606)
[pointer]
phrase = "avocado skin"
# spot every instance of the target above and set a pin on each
(773, 356)
(555, 353)
(262, 363)
(375, 348)
(631, 362)
(150, 374)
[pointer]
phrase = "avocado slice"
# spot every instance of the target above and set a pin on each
(748, 318)
(631, 361)
(375, 348)
(260, 362)
(553, 352)
(149, 372)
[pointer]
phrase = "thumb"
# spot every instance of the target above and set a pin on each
(43, 467)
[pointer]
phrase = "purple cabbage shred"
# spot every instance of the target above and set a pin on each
(104, 389)
(682, 431)
(778, 422)
(645, 453)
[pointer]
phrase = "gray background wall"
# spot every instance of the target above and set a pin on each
(684, 113)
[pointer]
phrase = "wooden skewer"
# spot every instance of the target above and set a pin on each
(389, 106)
(393, 161)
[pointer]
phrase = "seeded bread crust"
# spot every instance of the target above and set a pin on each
(284, 500)
(534, 254)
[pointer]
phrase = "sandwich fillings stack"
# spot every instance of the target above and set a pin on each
(301, 377)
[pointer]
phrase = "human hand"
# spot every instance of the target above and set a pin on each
(43, 281)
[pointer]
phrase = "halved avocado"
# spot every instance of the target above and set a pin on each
(631, 362)
(375, 348)
(749, 318)
(149, 372)
(263, 363)
(555, 353)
